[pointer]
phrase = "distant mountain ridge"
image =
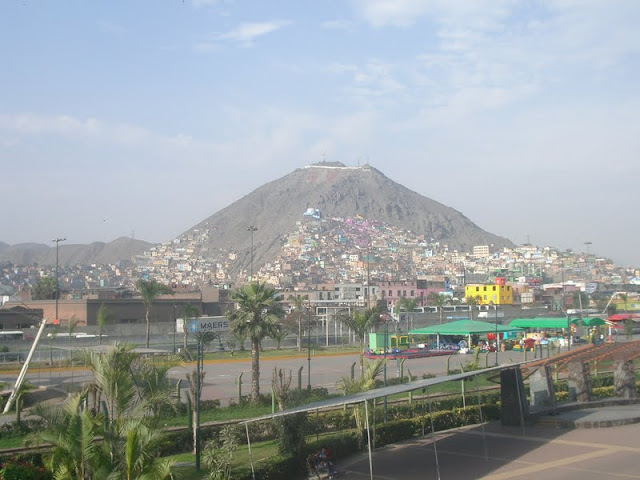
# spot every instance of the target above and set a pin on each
(122, 248)
(337, 191)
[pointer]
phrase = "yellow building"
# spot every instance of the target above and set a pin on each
(486, 294)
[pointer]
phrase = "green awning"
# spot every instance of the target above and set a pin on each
(591, 322)
(543, 322)
(463, 327)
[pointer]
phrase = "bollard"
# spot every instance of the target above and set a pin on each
(525, 353)
(178, 389)
(273, 400)
(448, 360)
(353, 370)
(402, 370)
(300, 379)
(240, 389)
(486, 360)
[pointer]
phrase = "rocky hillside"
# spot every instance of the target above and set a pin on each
(69, 254)
(337, 191)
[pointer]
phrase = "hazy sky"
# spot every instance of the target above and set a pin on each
(148, 116)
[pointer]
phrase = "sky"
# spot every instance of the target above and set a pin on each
(121, 118)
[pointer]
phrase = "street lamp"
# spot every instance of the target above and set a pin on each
(252, 229)
(57, 242)
(201, 338)
(309, 349)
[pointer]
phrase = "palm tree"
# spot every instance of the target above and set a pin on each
(139, 461)
(361, 322)
(189, 311)
(349, 386)
(438, 300)
(102, 319)
(472, 302)
(149, 290)
(409, 305)
(74, 455)
(134, 390)
(298, 306)
(257, 315)
(279, 335)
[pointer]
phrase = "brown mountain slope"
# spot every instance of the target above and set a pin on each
(69, 254)
(338, 191)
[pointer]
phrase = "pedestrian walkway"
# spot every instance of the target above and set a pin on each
(495, 452)
(598, 414)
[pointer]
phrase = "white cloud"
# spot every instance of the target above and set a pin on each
(246, 33)
(403, 13)
(340, 24)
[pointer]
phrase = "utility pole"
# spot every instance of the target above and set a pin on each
(252, 229)
(57, 242)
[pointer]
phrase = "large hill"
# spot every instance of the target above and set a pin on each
(69, 254)
(337, 191)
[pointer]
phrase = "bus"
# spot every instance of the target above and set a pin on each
(7, 335)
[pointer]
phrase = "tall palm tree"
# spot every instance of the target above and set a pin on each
(149, 291)
(472, 302)
(102, 319)
(298, 306)
(438, 300)
(189, 311)
(257, 315)
(361, 322)
(409, 305)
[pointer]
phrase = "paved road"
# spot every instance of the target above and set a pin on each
(221, 377)
(505, 453)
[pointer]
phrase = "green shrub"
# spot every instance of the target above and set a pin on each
(23, 470)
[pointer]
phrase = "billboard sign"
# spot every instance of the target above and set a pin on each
(203, 324)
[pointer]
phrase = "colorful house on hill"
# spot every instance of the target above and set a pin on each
(496, 294)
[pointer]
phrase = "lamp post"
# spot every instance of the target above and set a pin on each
(497, 343)
(175, 328)
(198, 392)
(386, 336)
(252, 229)
(57, 242)
(309, 349)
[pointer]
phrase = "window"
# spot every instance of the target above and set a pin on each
(398, 293)
(413, 294)
(404, 293)
(390, 293)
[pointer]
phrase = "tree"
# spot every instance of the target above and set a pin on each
(349, 386)
(257, 315)
(103, 318)
(149, 290)
(71, 431)
(438, 300)
(44, 289)
(472, 301)
(279, 334)
(361, 322)
(189, 311)
(134, 390)
(298, 307)
(409, 306)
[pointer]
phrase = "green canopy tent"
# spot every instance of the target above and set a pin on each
(543, 322)
(463, 327)
(592, 322)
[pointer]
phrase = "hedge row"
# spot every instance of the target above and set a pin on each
(346, 444)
